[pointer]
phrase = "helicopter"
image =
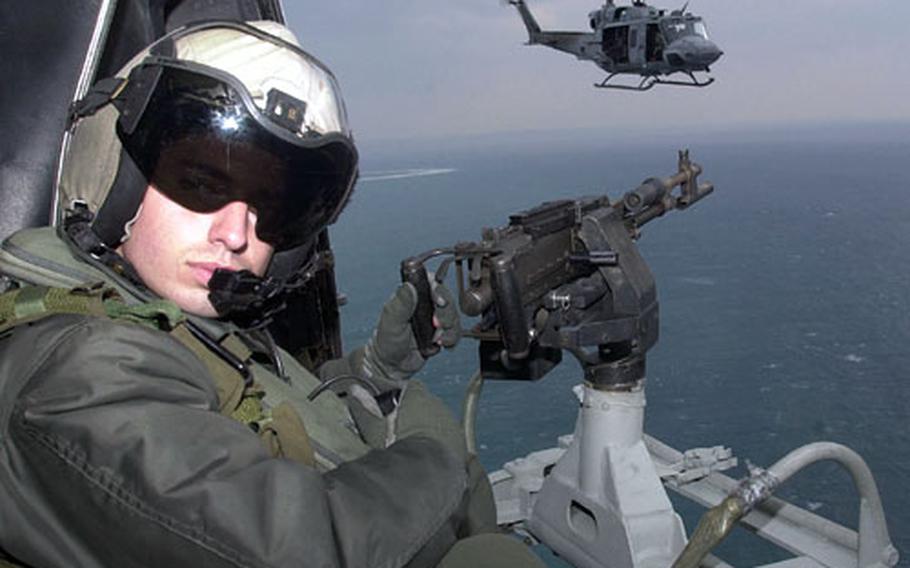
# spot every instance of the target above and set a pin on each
(635, 40)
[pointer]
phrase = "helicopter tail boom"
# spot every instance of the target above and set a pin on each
(576, 43)
(530, 22)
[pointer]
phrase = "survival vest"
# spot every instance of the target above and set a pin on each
(240, 398)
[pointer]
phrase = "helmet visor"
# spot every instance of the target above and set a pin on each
(196, 135)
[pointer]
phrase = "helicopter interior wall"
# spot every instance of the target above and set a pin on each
(43, 46)
(179, 12)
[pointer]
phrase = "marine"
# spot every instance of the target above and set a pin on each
(147, 418)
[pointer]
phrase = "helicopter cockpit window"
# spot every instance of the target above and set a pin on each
(677, 28)
(616, 43)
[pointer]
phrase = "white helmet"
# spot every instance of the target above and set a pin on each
(210, 114)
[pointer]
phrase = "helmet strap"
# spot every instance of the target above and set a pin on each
(77, 232)
(100, 95)
(122, 202)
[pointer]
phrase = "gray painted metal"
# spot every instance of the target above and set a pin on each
(814, 540)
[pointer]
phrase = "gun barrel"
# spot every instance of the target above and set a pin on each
(654, 196)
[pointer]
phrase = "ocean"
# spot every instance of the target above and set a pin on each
(785, 314)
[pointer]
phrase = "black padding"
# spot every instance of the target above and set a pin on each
(136, 24)
(310, 326)
(42, 45)
(190, 11)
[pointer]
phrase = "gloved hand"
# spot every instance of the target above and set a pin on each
(387, 361)
(391, 356)
(380, 369)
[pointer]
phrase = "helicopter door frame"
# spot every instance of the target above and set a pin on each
(637, 37)
(654, 44)
(615, 44)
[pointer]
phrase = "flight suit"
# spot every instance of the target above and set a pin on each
(124, 441)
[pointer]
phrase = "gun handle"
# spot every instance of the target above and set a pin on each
(413, 271)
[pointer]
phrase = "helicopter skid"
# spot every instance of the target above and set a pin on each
(650, 81)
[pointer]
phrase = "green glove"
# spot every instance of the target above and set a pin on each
(377, 373)
(391, 356)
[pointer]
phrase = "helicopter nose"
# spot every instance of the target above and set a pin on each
(693, 52)
(709, 53)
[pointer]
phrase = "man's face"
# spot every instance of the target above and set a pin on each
(176, 250)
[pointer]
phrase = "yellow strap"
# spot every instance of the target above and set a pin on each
(290, 439)
(280, 428)
(228, 382)
(237, 347)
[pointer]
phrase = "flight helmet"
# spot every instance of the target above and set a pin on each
(212, 113)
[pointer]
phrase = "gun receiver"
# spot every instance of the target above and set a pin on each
(565, 275)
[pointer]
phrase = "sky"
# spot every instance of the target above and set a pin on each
(432, 68)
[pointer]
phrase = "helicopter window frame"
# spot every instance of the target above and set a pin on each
(675, 28)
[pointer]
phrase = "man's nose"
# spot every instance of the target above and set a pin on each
(232, 225)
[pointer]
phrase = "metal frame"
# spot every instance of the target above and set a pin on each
(695, 474)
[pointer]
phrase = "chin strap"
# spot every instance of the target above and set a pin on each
(85, 243)
(251, 301)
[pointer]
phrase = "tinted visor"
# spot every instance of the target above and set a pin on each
(197, 136)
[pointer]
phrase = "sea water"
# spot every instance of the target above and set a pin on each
(784, 306)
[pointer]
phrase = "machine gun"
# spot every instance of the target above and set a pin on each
(565, 275)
